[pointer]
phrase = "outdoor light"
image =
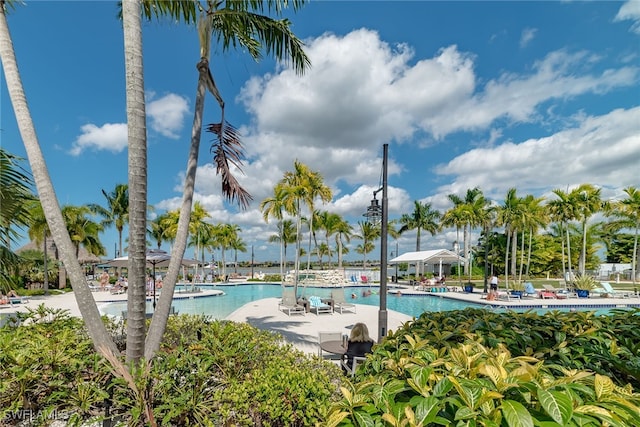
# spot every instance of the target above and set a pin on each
(376, 214)
(374, 211)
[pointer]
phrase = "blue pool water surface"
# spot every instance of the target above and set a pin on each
(235, 296)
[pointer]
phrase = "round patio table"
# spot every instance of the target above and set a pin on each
(334, 347)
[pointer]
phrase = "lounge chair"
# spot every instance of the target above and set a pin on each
(506, 295)
(290, 305)
(550, 288)
(529, 291)
(340, 302)
(316, 305)
(364, 279)
(615, 293)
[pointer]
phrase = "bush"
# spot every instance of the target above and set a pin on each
(501, 369)
(207, 373)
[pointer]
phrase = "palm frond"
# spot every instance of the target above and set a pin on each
(228, 151)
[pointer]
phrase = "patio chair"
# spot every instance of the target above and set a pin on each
(289, 304)
(529, 290)
(333, 339)
(615, 293)
(550, 288)
(364, 279)
(316, 305)
(340, 302)
(357, 360)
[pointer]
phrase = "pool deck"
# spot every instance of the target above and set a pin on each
(302, 330)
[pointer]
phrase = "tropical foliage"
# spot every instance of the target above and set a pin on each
(476, 367)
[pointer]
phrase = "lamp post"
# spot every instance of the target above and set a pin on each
(456, 249)
(375, 214)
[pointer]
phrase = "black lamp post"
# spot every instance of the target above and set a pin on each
(377, 214)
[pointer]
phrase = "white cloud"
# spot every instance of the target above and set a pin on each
(630, 11)
(528, 34)
(110, 136)
(361, 92)
(166, 114)
(601, 150)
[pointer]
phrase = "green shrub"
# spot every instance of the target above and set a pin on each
(207, 373)
(474, 385)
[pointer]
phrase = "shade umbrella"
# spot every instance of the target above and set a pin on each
(155, 258)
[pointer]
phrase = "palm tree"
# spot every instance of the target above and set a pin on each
(232, 23)
(116, 212)
(274, 207)
(422, 218)
(469, 212)
(343, 231)
(510, 217)
(587, 200)
(226, 235)
(237, 244)
(317, 190)
(534, 218)
(628, 212)
(15, 199)
(86, 304)
(563, 210)
(329, 222)
(302, 185)
(367, 233)
(286, 235)
(159, 228)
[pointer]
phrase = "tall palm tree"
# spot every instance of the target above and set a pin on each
(274, 207)
(86, 303)
(469, 211)
(316, 190)
(628, 212)
(329, 222)
(367, 232)
(510, 217)
(302, 185)
(286, 235)
(563, 210)
(423, 217)
(588, 201)
(15, 200)
(232, 23)
(534, 218)
(238, 245)
(159, 228)
(343, 231)
(116, 212)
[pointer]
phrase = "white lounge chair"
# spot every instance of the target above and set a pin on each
(615, 293)
(289, 305)
(340, 302)
(316, 305)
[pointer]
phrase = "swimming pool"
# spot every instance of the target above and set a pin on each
(235, 296)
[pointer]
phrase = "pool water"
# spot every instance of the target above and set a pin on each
(235, 296)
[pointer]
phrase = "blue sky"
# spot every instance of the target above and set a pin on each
(532, 95)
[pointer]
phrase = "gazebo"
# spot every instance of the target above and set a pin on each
(435, 257)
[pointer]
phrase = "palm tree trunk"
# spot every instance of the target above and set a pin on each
(506, 260)
(521, 257)
(568, 234)
(87, 305)
(529, 253)
(514, 254)
(583, 263)
(161, 315)
(137, 149)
